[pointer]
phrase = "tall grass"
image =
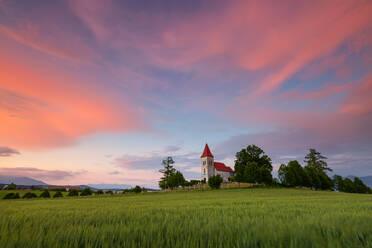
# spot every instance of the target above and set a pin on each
(220, 218)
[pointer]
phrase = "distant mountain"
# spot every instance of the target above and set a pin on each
(20, 180)
(367, 180)
(110, 186)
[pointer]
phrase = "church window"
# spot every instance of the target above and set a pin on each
(204, 171)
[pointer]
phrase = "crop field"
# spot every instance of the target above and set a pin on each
(211, 218)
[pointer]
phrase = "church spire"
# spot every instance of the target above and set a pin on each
(206, 152)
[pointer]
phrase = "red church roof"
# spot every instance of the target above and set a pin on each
(222, 167)
(207, 152)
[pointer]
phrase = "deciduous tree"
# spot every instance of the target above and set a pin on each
(253, 165)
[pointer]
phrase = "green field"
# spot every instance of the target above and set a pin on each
(219, 218)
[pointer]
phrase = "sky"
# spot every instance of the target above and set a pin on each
(101, 91)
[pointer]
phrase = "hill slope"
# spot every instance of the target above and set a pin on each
(20, 180)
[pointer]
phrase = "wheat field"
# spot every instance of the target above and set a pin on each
(257, 217)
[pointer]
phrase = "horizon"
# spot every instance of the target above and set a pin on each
(95, 92)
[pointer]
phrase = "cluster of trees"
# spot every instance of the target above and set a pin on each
(349, 186)
(312, 175)
(136, 189)
(252, 165)
(171, 177)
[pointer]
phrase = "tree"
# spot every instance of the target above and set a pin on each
(45, 194)
(73, 192)
(29, 195)
(360, 187)
(109, 192)
(11, 186)
(215, 181)
(313, 176)
(253, 165)
(175, 180)
(293, 175)
(99, 192)
(167, 171)
(86, 192)
(349, 186)
(316, 160)
(58, 194)
(316, 168)
(137, 189)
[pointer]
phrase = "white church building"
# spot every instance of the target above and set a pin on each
(210, 168)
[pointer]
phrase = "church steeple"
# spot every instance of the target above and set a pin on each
(207, 164)
(206, 152)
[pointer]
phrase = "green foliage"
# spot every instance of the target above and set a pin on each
(167, 171)
(293, 175)
(231, 179)
(58, 194)
(346, 185)
(215, 181)
(99, 192)
(11, 186)
(73, 192)
(360, 187)
(339, 183)
(216, 218)
(29, 195)
(109, 192)
(175, 180)
(45, 194)
(252, 165)
(137, 189)
(11, 196)
(349, 186)
(316, 160)
(86, 192)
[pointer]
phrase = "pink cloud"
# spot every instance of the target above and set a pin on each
(48, 38)
(43, 107)
(277, 38)
(359, 101)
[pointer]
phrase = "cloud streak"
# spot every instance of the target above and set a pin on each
(7, 151)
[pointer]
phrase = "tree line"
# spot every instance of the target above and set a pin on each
(252, 165)
(73, 192)
(173, 178)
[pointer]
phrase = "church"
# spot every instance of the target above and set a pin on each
(210, 168)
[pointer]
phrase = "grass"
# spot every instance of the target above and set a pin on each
(217, 218)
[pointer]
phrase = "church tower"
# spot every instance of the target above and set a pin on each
(207, 164)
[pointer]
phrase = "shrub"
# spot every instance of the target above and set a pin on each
(58, 194)
(99, 192)
(73, 192)
(29, 195)
(231, 178)
(11, 186)
(86, 192)
(215, 181)
(45, 194)
(109, 192)
(11, 196)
